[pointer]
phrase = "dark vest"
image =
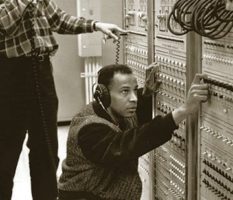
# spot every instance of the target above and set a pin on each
(80, 174)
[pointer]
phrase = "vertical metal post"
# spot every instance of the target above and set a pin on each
(150, 30)
(194, 53)
(151, 59)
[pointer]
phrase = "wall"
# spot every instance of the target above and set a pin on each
(111, 13)
(67, 69)
(68, 65)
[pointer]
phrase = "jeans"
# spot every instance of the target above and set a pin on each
(28, 104)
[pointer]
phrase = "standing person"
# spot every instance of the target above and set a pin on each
(105, 139)
(28, 100)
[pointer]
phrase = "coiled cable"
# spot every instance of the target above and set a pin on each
(208, 18)
(118, 46)
(35, 66)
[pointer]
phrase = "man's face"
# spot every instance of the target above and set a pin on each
(123, 91)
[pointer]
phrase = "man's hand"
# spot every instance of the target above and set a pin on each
(151, 83)
(197, 94)
(110, 30)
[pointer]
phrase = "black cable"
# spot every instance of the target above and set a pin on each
(204, 22)
(209, 18)
(216, 30)
(170, 18)
(224, 15)
(181, 13)
(185, 14)
(207, 23)
(35, 67)
(118, 45)
(218, 84)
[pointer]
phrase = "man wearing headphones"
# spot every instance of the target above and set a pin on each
(109, 135)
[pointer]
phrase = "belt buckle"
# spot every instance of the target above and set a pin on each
(41, 58)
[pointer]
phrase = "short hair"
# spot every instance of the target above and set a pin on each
(106, 73)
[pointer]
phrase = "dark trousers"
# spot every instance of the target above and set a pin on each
(28, 103)
(72, 195)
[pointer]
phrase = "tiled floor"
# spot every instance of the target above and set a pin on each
(22, 190)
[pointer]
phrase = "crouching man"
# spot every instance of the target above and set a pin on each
(109, 135)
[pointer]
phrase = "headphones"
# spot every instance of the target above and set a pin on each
(102, 96)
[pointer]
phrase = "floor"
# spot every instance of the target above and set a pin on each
(21, 190)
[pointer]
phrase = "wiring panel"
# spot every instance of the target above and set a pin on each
(216, 125)
(170, 56)
(136, 57)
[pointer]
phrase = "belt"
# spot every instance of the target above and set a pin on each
(42, 58)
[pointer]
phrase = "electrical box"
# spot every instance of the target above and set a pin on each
(89, 45)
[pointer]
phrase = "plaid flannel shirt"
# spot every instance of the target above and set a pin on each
(15, 28)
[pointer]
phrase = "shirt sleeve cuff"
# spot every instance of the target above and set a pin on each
(171, 121)
(90, 26)
(93, 25)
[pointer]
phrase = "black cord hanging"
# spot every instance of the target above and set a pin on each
(35, 66)
(118, 45)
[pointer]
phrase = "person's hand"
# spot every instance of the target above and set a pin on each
(110, 30)
(197, 94)
(151, 83)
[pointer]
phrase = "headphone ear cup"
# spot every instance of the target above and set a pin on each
(102, 94)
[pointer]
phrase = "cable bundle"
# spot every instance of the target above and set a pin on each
(209, 18)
